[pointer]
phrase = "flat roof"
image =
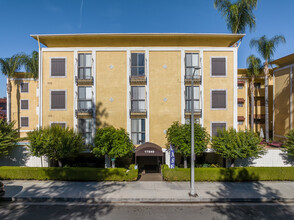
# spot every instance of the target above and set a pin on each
(138, 39)
(284, 61)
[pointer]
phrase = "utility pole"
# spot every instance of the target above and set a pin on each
(192, 184)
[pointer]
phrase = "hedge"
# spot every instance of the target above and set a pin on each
(236, 174)
(68, 174)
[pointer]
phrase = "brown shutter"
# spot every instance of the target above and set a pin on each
(58, 67)
(218, 66)
(24, 87)
(218, 99)
(57, 99)
(24, 121)
(217, 126)
(24, 104)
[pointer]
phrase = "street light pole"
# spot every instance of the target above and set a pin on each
(192, 184)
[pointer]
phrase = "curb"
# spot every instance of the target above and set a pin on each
(147, 200)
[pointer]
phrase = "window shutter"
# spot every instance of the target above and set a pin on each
(58, 67)
(218, 99)
(24, 121)
(217, 126)
(24, 104)
(218, 66)
(57, 99)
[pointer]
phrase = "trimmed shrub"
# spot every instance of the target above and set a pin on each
(289, 144)
(68, 173)
(236, 174)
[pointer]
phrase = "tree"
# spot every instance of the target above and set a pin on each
(113, 143)
(31, 63)
(9, 67)
(56, 143)
(238, 15)
(179, 135)
(266, 48)
(289, 144)
(231, 144)
(8, 137)
(254, 69)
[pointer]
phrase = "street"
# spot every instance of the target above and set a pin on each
(146, 211)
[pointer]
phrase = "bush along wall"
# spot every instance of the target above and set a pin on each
(236, 174)
(68, 173)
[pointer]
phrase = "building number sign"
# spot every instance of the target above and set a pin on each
(149, 151)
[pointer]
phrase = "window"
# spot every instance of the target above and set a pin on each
(192, 61)
(24, 87)
(257, 85)
(58, 100)
(218, 66)
(240, 122)
(24, 121)
(188, 120)
(85, 128)
(240, 104)
(216, 126)
(138, 64)
(188, 98)
(85, 66)
(58, 67)
(24, 104)
(85, 98)
(138, 131)
(218, 99)
(138, 99)
(61, 124)
(240, 86)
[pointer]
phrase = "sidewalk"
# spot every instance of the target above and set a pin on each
(161, 192)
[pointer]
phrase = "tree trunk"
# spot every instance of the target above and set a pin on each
(252, 103)
(113, 163)
(266, 101)
(185, 162)
(107, 161)
(9, 88)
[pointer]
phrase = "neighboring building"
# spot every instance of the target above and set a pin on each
(140, 82)
(244, 104)
(283, 96)
(3, 104)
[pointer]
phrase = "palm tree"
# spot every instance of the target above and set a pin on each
(253, 70)
(9, 67)
(238, 15)
(31, 63)
(266, 48)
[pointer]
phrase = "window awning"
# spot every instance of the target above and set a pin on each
(148, 149)
(241, 82)
(241, 118)
(241, 100)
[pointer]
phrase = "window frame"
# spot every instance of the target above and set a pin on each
(212, 90)
(58, 90)
(89, 132)
(191, 99)
(85, 100)
(21, 88)
(226, 74)
(28, 122)
(217, 122)
(196, 75)
(24, 100)
(138, 100)
(139, 132)
(85, 67)
(65, 74)
(131, 66)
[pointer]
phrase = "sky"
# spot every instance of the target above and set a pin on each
(21, 18)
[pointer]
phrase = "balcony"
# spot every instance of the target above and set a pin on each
(197, 112)
(138, 113)
(83, 80)
(196, 78)
(85, 109)
(138, 80)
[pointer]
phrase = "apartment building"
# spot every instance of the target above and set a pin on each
(283, 96)
(140, 82)
(244, 104)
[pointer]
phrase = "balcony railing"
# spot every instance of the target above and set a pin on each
(83, 80)
(138, 79)
(196, 78)
(196, 111)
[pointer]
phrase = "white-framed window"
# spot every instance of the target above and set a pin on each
(192, 62)
(137, 64)
(138, 131)
(84, 65)
(217, 126)
(240, 86)
(24, 104)
(24, 87)
(240, 122)
(138, 96)
(85, 128)
(218, 99)
(24, 122)
(188, 98)
(84, 98)
(57, 99)
(218, 66)
(188, 120)
(58, 67)
(240, 104)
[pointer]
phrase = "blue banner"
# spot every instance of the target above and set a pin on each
(172, 157)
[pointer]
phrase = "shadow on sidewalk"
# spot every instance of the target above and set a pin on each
(256, 191)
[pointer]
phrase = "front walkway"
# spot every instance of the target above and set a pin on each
(30, 190)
